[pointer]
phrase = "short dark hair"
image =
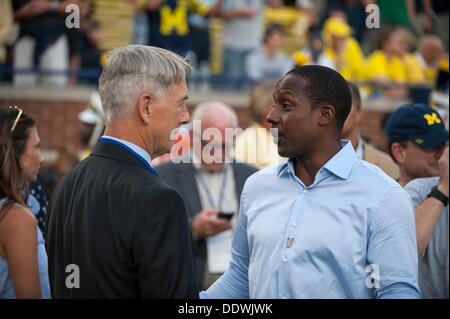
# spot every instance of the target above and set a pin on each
(326, 86)
(356, 95)
(271, 29)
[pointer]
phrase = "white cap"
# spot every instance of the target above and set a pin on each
(94, 112)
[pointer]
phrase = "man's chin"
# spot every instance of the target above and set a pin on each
(283, 152)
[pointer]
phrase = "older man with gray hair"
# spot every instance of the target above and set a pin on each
(210, 184)
(115, 229)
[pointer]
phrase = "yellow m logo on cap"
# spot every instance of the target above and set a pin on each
(432, 119)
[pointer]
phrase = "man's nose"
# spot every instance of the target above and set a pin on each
(273, 117)
(185, 117)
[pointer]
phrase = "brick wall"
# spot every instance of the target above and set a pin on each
(58, 122)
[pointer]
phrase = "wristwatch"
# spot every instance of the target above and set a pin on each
(436, 193)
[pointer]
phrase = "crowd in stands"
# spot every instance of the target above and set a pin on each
(231, 41)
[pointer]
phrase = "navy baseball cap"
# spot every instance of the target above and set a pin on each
(417, 123)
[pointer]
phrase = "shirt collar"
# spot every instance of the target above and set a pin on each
(143, 153)
(340, 164)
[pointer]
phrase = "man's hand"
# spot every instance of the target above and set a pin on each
(206, 224)
(443, 172)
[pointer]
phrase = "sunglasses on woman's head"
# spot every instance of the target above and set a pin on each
(19, 114)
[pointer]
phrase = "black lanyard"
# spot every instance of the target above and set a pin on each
(208, 193)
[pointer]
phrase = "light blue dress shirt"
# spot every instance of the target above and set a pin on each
(326, 240)
(139, 150)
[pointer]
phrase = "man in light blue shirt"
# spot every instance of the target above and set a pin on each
(324, 224)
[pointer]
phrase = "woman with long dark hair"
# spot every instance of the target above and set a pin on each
(23, 259)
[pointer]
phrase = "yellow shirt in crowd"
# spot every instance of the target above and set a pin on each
(379, 67)
(176, 18)
(352, 60)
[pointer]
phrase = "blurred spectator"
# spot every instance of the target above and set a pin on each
(364, 150)
(307, 20)
(75, 38)
(436, 13)
(430, 200)
(170, 24)
(116, 19)
(353, 11)
(6, 23)
(385, 65)
(430, 54)
(269, 62)
(209, 188)
(341, 51)
(408, 44)
(91, 126)
(242, 30)
(255, 145)
(417, 136)
(90, 53)
(140, 25)
(397, 13)
(42, 41)
(199, 27)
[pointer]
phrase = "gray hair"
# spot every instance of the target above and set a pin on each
(201, 110)
(131, 70)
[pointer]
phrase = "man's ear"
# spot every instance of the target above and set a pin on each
(398, 152)
(144, 105)
(327, 115)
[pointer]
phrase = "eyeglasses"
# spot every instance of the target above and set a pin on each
(19, 114)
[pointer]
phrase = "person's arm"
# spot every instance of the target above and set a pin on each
(428, 213)
(162, 248)
(18, 237)
(24, 12)
(428, 16)
(244, 12)
(38, 7)
(215, 9)
(233, 284)
(6, 21)
(411, 10)
(392, 249)
(153, 5)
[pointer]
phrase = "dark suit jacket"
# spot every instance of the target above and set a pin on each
(125, 228)
(181, 177)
